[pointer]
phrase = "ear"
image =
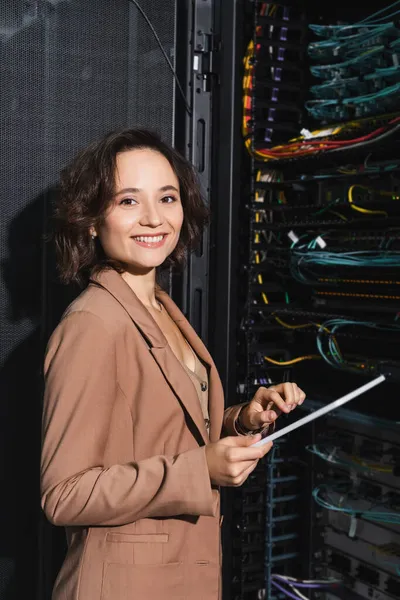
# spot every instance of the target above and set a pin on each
(93, 233)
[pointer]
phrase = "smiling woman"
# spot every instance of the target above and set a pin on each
(136, 441)
(142, 225)
(100, 179)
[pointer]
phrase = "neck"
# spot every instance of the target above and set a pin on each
(144, 286)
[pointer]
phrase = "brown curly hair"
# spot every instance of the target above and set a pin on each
(86, 189)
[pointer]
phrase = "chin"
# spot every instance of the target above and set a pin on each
(136, 266)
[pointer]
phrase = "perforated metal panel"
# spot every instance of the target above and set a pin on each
(70, 71)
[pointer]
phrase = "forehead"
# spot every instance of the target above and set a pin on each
(144, 168)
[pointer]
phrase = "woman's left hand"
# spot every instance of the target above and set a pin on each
(269, 403)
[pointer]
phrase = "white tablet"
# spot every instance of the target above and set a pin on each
(322, 411)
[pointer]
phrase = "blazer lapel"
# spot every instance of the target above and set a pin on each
(181, 384)
(170, 366)
(216, 393)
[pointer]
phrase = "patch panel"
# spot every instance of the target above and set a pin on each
(362, 580)
(368, 552)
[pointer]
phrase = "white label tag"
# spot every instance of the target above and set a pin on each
(293, 237)
(353, 526)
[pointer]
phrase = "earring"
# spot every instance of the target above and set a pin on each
(93, 236)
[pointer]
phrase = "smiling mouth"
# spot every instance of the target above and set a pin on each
(150, 241)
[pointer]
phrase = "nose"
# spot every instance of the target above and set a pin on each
(151, 215)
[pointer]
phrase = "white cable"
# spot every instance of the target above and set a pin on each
(326, 581)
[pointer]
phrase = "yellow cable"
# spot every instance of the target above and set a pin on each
(264, 297)
(257, 258)
(291, 326)
(302, 326)
(299, 326)
(359, 208)
(258, 177)
(338, 215)
(373, 281)
(378, 296)
(260, 279)
(284, 363)
(373, 467)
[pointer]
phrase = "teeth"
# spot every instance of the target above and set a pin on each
(149, 239)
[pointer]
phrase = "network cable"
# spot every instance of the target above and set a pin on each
(305, 257)
(325, 140)
(360, 66)
(330, 454)
(339, 44)
(337, 30)
(327, 333)
(359, 105)
(292, 587)
(366, 514)
(150, 25)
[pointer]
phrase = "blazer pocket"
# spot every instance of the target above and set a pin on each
(137, 538)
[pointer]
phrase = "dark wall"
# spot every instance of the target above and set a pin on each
(70, 71)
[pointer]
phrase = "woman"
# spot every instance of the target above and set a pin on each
(132, 453)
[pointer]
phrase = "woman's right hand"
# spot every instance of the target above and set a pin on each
(231, 460)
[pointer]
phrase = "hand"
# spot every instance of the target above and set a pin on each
(269, 403)
(231, 460)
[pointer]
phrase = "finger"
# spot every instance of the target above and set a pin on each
(237, 481)
(289, 392)
(255, 416)
(264, 397)
(302, 396)
(299, 395)
(263, 418)
(241, 478)
(237, 455)
(266, 418)
(292, 393)
(240, 441)
(279, 401)
(236, 471)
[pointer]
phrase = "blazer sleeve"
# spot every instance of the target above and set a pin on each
(230, 417)
(76, 488)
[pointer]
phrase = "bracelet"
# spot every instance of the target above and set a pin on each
(241, 429)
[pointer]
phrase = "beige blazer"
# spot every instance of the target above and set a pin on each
(123, 462)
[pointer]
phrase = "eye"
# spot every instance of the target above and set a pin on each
(128, 202)
(168, 199)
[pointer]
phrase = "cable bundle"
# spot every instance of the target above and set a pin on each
(348, 40)
(328, 346)
(360, 65)
(330, 454)
(328, 140)
(273, 95)
(323, 497)
(292, 587)
(355, 106)
(304, 258)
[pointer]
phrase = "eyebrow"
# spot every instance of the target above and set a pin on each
(164, 188)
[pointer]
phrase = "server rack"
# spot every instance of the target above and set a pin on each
(308, 511)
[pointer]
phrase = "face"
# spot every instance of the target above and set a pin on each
(142, 225)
